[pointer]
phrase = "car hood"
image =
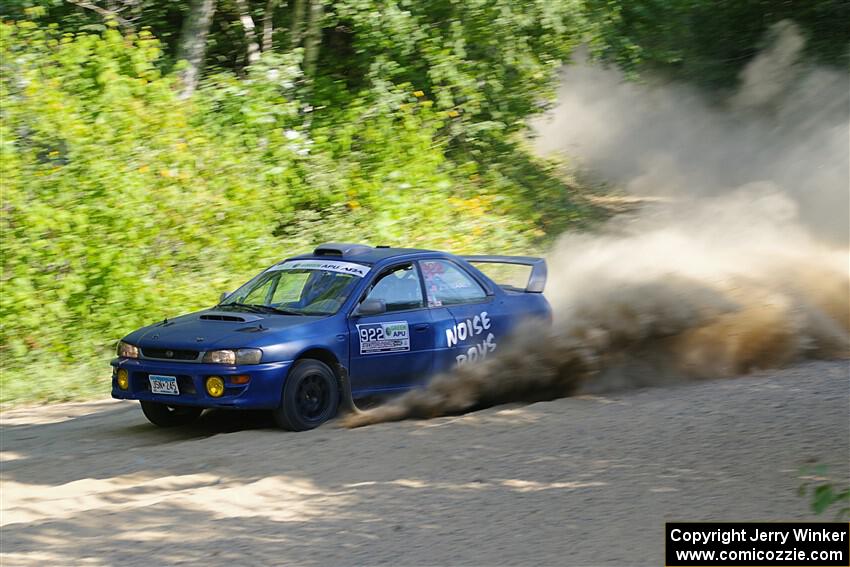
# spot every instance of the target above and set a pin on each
(211, 329)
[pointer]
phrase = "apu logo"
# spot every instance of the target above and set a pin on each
(468, 329)
(395, 330)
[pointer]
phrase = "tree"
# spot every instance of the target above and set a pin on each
(112, 12)
(313, 37)
(250, 30)
(268, 25)
(296, 29)
(193, 42)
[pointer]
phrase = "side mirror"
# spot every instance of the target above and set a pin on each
(223, 296)
(371, 307)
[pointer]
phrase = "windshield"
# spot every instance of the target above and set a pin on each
(299, 287)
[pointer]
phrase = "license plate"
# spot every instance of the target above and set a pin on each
(164, 384)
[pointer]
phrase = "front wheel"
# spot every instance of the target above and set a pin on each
(170, 416)
(310, 396)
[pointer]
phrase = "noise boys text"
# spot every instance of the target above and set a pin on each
(472, 329)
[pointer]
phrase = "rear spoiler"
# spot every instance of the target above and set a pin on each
(537, 279)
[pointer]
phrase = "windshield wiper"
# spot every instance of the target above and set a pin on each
(271, 309)
(260, 308)
(247, 306)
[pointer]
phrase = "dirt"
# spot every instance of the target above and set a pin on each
(577, 481)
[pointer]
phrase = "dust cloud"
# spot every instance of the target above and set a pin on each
(786, 125)
(742, 265)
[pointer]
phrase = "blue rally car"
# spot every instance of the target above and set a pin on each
(321, 330)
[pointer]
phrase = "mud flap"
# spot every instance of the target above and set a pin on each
(346, 399)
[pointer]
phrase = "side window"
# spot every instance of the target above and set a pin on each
(399, 287)
(447, 284)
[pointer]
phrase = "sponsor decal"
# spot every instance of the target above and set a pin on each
(376, 338)
(432, 272)
(472, 329)
(446, 281)
(358, 270)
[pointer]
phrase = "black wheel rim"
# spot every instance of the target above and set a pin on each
(313, 397)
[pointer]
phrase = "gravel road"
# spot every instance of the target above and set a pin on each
(580, 481)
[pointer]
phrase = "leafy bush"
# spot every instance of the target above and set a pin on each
(123, 203)
(824, 494)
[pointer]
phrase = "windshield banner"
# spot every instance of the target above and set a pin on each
(358, 270)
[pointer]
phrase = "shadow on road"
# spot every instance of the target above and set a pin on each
(116, 428)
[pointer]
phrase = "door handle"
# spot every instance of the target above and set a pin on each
(422, 327)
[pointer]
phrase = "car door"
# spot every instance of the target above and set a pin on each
(478, 318)
(392, 350)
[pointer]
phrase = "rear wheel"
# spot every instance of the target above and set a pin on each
(310, 396)
(164, 415)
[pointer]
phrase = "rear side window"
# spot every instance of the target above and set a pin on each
(447, 284)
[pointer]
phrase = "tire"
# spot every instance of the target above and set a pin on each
(170, 416)
(310, 396)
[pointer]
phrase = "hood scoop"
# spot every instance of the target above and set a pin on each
(217, 317)
(230, 317)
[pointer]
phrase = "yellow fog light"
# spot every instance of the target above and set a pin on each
(215, 386)
(123, 379)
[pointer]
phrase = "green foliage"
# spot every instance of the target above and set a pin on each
(708, 43)
(824, 494)
(123, 204)
(485, 62)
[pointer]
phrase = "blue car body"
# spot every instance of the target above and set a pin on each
(377, 353)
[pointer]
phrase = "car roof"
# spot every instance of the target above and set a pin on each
(360, 253)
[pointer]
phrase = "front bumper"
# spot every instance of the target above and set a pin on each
(263, 391)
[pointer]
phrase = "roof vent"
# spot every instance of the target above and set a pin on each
(340, 249)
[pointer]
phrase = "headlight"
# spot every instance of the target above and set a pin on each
(239, 356)
(127, 350)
